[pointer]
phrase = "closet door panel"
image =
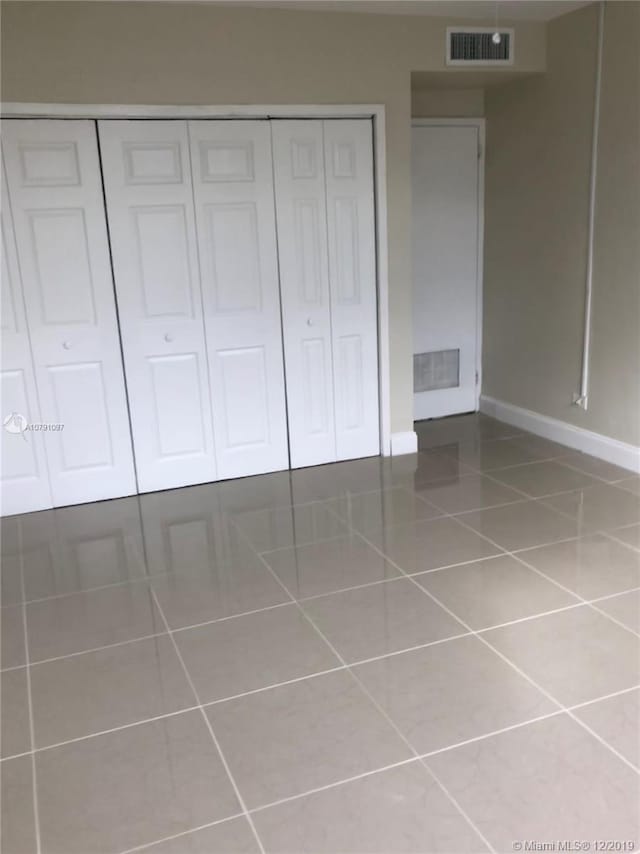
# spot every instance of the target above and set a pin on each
(54, 183)
(24, 477)
(352, 276)
(302, 241)
(147, 174)
(233, 188)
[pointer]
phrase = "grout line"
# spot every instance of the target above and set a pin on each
(96, 649)
(32, 735)
(146, 845)
(612, 536)
(383, 712)
(207, 722)
(518, 669)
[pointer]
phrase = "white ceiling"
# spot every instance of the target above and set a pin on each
(511, 10)
(508, 10)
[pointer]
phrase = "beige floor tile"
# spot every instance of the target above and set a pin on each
(598, 507)
(233, 836)
(430, 544)
(11, 578)
(630, 534)
(596, 467)
(83, 621)
(617, 721)
(545, 782)
(544, 478)
(14, 717)
(447, 693)
(494, 591)
(591, 566)
(329, 566)
(434, 466)
(289, 526)
(251, 652)
(518, 526)
(468, 493)
(373, 510)
(96, 691)
(624, 608)
(319, 483)
(17, 827)
(492, 454)
(398, 811)
(132, 786)
(631, 484)
(576, 655)
(12, 630)
(298, 737)
(540, 446)
(380, 619)
(188, 598)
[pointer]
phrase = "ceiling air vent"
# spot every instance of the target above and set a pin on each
(478, 46)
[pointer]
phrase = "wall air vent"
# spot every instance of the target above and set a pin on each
(479, 46)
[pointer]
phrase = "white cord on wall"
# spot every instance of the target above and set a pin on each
(582, 399)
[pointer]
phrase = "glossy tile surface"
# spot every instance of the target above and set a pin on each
(544, 478)
(140, 609)
(470, 493)
(549, 781)
(576, 655)
(15, 737)
(400, 810)
(444, 694)
(84, 621)
(132, 786)
(294, 738)
(430, 544)
(591, 566)
(316, 568)
(625, 608)
(518, 526)
(379, 619)
(493, 591)
(96, 691)
(617, 721)
(253, 651)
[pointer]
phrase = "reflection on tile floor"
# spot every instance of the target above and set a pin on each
(432, 653)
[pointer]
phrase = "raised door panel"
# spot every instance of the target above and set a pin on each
(233, 189)
(352, 276)
(147, 175)
(55, 188)
(302, 241)
(24, 478)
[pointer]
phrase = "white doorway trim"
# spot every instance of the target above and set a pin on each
(480, 124)
(376, 112)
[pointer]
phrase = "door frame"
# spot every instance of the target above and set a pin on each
(480, 124)
(374, 112)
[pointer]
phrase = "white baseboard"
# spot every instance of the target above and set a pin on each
(611, 450)
(404, 443)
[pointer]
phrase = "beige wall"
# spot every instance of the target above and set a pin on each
(447, 103)
(537, 194)
(199, 54)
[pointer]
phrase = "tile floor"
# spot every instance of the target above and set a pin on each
(435, 653)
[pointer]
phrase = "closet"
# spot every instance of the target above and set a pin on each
(191, 300)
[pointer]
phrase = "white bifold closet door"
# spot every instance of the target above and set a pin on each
(233, 186)
(326, 238)
(147, 177)
(25, 481)
(53, 176)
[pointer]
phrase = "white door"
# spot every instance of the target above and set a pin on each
(445, 189)
(23, 474)
(147, 178)
(233, 187)
(326, 239)
(55, 190)
(298, 157)
(352, 279)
